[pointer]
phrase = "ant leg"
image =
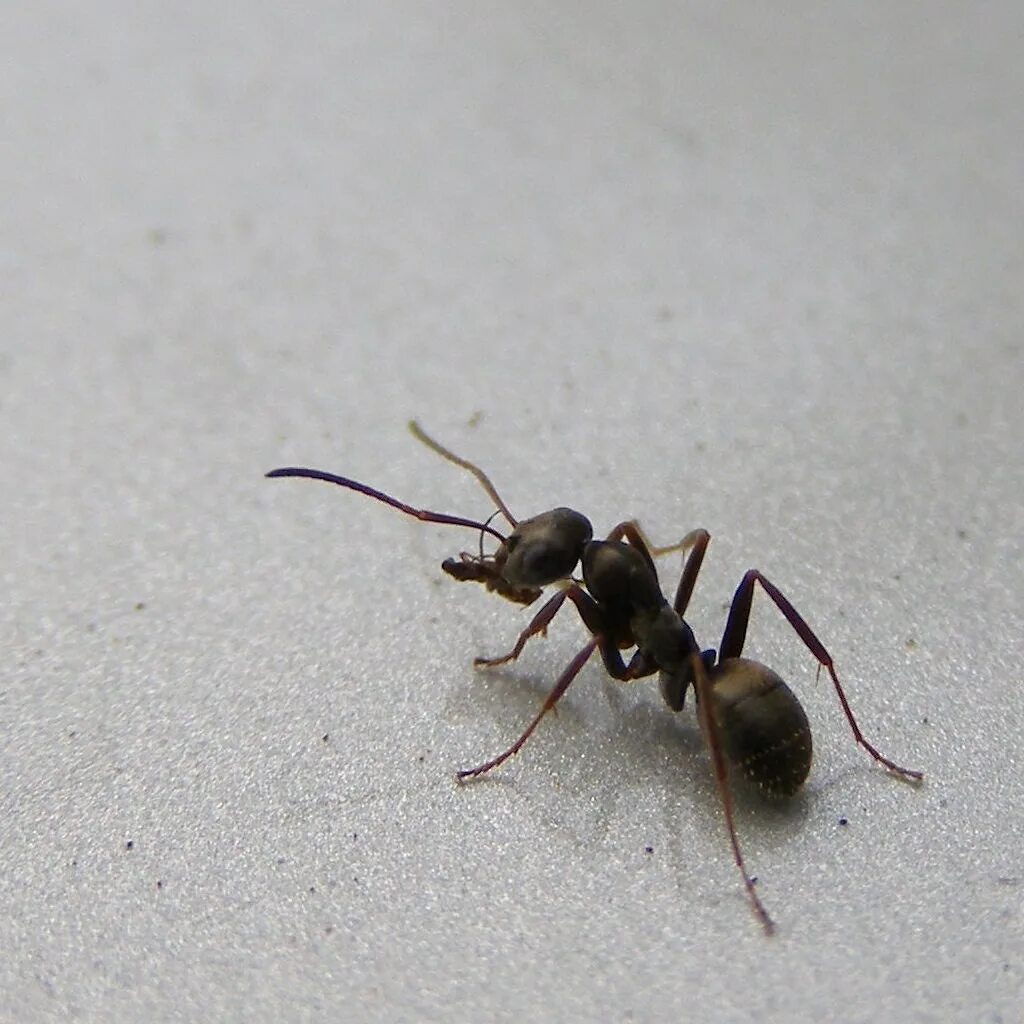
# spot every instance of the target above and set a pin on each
(593, 618)
(683, 545)
(631, 532)
(425, 515)
(539, 624)
(482, 478)
(640, 666)
(700, 541)
(564, 681)
(710, 728)
(736, 632)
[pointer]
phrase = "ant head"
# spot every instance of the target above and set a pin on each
(545, 548)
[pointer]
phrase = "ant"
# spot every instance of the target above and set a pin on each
(751, 720)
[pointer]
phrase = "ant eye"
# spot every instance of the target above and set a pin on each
(512, 542)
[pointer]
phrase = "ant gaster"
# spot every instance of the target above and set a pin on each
(751, 720)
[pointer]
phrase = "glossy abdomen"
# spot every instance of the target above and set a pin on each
(761, 725)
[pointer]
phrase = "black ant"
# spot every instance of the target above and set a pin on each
(750, 718)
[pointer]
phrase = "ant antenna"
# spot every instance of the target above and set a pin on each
(482, 478)
(353, 485)
(488, 523)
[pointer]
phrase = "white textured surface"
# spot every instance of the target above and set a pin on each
(753, 268)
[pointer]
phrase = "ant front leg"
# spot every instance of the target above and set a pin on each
(736, 631)
(539, 624)
(594, 619)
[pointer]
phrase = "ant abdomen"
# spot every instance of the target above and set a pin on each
(762, 727)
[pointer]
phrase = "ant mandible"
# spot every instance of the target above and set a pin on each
(750, 718)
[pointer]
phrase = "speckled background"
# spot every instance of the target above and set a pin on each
(752, 268)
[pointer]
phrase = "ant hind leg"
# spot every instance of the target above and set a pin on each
(710, 730)
(736, 631)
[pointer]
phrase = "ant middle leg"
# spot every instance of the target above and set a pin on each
(736, 631)
(631, 531)
(564, 681)
(638, 666)
(683, 545)
(699, 540)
